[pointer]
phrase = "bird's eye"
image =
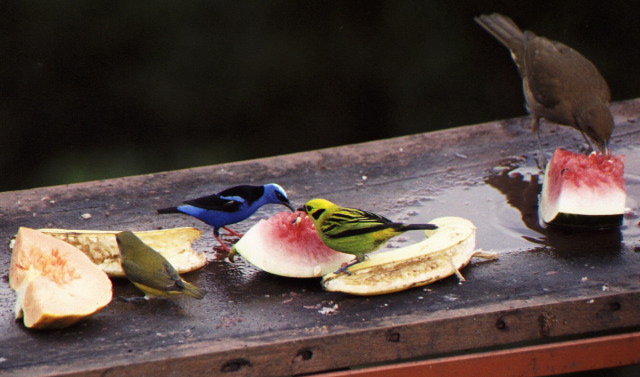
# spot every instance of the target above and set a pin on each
(308, 208)
(279, 196)
(317, 213)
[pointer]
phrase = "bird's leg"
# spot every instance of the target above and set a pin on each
(233, 233)
(535, 127)
(222, 244)
(345, 267)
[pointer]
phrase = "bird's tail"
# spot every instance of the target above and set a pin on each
(193, 291)
(169, 210)
(504, 30)
(406, 227)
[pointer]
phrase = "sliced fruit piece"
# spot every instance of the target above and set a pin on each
(56, 284)
(583, 190)
(445, 251)
(101, 247)
(287, 245)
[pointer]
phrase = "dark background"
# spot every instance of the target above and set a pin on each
(99, 89)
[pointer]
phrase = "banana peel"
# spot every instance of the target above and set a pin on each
(445, 251)
(101, 247)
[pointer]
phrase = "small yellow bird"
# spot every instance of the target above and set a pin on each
(150, 271)
(353, 231)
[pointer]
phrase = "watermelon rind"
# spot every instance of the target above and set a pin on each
(583, 191)
(570, 220)
(287, 246)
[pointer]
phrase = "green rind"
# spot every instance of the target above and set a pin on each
(571, 220)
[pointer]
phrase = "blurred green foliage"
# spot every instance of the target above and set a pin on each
(98, 89)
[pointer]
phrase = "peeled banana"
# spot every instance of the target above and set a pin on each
(445, 251)
(101, 247)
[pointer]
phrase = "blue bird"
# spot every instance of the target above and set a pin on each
(231, 206)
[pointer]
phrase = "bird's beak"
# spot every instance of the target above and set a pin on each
(288, 205)
(301, 209)
(602, 147)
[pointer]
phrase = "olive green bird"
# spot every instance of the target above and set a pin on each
(354, 231)
(150, 271)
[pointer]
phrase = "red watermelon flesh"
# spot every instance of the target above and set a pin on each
(287, 244)
(578, 186)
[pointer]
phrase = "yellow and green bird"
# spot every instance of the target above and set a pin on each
(354, 231)
(150, 271)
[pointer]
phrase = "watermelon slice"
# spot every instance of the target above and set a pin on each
(583, 190)
(288, 245)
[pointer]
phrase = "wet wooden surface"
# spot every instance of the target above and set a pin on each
(546, 285)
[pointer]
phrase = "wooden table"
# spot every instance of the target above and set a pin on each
(547, 289)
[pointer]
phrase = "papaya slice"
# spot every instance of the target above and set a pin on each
(56, 284)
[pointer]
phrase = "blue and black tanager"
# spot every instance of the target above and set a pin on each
(231, 206)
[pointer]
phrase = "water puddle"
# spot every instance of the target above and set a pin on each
(503, 205)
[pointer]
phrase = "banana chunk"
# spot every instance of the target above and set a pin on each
(446, 250)
(101, 247)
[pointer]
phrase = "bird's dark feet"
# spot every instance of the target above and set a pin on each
(222, 253)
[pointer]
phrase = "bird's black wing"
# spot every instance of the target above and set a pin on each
(215, 202)
(247, 193)
(348, 222)
(229, 200)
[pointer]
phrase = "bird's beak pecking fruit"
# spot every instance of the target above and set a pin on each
(288, 205)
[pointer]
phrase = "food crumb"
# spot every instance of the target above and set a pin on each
(324, 308)
(329, 310)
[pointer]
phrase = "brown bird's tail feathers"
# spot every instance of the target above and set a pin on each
(191, 290)
(406, 227)
(504, 30)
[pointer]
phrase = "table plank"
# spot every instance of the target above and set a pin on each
(540, 360)
(545, 285)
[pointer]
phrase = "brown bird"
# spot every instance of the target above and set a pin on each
(559, 83)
